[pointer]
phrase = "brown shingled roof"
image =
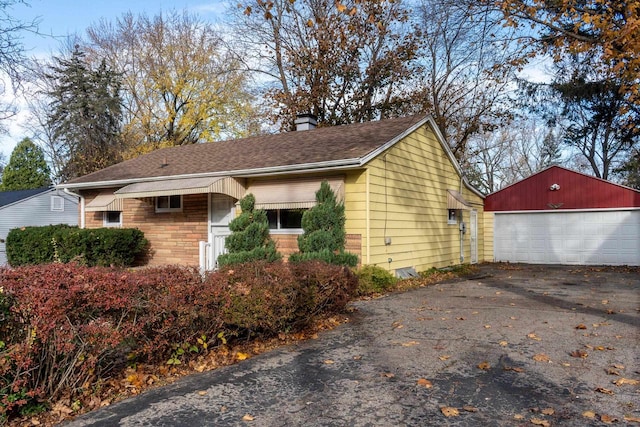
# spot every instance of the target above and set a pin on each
(260, 152)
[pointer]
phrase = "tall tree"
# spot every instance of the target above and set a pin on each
(26, 169)
(85, 115)
(510, 153)
(2, 162)
(12, 55)
(344, 62)
(606, 30)
(600, 121)
(181, 86)
(629, 171)
(468, 65)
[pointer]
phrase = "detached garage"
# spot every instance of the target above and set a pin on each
(559, 216)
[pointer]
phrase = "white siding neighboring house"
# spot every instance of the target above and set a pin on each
(42, 206)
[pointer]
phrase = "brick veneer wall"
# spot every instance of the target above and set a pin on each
(173, 236)
(287, 244)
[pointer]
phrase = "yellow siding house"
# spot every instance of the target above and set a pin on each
(408, 204)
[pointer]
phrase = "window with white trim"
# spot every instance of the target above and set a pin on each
(285, 219)
(169, 204)
(57, 204)
(112, 219)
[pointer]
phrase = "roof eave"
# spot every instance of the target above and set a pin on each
(243, 173)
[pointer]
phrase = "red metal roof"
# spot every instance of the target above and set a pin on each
(575, 191)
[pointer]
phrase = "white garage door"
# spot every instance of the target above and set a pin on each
(589, 238)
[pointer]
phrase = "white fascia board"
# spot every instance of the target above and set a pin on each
(428, 119)
(375, 153)
(244, 173)
(452, 158)
(623, 208)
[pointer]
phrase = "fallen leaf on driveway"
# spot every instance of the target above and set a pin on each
(329, 362)
(605, 301)
(632, 419)
(514, 369)
(539, 422)
(579, 353)
(503, 343)
(487, 326)
(534, 337)
(581, 326)
(518, 417)
(248, 417)
(485, 366)
(449, 412)
(618, 366)
(604, 390)
(410, 343)
(548, 411)
(425, 383)
(608, 419)
(469, 408)
(444, 357)
(388, 375)
(541, 357)
(460, 318)
(627, 381)
(612, 371)
(589, 414)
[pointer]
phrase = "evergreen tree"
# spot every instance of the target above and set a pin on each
(26, 169)
(630, 170)
(324, 235)
(250, 238)
(85, 115)
(550, 153)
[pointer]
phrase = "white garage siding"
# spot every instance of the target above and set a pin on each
(610, 237)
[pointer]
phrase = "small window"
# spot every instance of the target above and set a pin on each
(285, 219)
(169, 204)
(113, 219)
(453, 216)
(57, 204)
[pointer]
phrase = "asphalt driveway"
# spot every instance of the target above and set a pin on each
(516, 345)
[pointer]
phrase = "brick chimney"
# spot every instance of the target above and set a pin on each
(306, 121)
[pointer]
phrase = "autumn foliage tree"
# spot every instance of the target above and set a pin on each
(344, 62)
(180, 84)
(606, 30)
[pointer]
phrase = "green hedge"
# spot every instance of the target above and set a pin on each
(64, 243)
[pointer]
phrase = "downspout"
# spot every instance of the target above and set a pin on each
(71, 193)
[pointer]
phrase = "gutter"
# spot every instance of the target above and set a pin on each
(243, 173)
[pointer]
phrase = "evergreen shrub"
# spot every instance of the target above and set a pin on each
(249, 239)
(64, 243)
(324, 234)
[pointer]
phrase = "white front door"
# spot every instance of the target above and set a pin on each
(473, 233)
(221, 212)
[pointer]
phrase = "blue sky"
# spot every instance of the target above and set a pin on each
(60, 18)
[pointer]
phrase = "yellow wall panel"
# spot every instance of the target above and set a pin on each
(406, 202)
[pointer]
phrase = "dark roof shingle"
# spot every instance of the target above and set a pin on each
(259, 152)
(9, 197)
